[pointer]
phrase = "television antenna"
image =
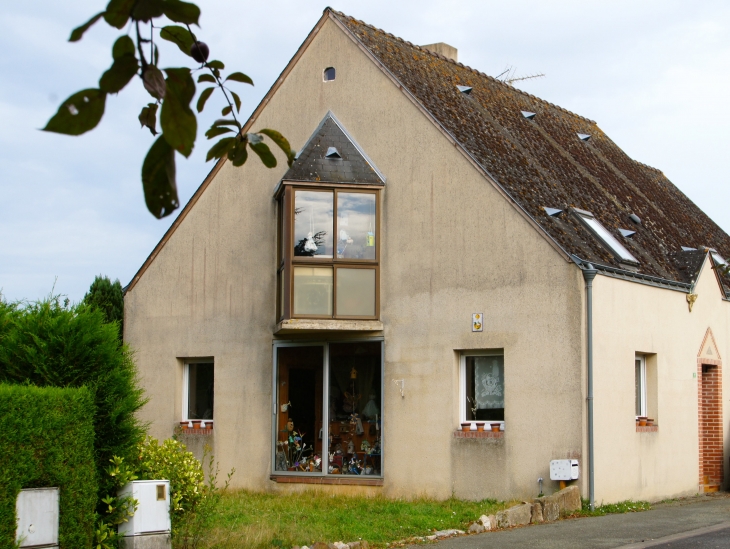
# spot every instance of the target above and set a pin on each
(508, 76)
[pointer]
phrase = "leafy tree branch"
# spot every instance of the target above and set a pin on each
(172, 90)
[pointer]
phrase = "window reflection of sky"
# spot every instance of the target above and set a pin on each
(355, 219)
(314, 212)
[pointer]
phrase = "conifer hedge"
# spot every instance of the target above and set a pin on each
(51, 344)
(47, 440)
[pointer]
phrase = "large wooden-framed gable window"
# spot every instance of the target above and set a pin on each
(328, 251)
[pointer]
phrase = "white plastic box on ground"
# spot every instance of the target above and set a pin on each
(153, 510)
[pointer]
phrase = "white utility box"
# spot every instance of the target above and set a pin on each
(153, 512)
(37, 512)
(564, 469)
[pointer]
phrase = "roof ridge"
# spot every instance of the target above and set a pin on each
(652, 168)
(467, 67)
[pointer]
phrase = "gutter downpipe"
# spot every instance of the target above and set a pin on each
(589, 273)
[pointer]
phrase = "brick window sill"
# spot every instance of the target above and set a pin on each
(647, 429)
(193, 431)
(331, 479)
(478, 434)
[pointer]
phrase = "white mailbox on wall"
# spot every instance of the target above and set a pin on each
(564, 469)
(37, 512)
(153, 512)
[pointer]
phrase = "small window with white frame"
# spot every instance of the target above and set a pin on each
(640, 385)
(482, 386)
(198, 391)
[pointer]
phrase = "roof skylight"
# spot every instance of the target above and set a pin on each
(583, 136)
(332, 152)
(604, 235)
(465, 89)
(527, 114)
(688, 249)
(626, 233)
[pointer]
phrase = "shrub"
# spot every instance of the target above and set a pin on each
(48, 440)
(193, 502)
(48, 344)
(109, 298)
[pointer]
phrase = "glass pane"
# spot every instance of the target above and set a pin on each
(609, 239)
(313, 291)
(485, 388)
(299, 409)
(355, 402)
(356, 225)
(200, 391)
(355, 292)
(637, 386)
(313, 223)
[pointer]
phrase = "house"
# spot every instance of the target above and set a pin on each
(426, 263)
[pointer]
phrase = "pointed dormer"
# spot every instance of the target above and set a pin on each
(331, 155)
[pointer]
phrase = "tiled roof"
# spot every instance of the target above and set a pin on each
(543, 163)
(350, 165)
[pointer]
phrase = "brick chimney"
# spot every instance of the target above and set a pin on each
(444, 49)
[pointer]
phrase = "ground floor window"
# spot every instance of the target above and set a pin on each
(328, 408)
(482, 386)
(198, 384)
(640, 386)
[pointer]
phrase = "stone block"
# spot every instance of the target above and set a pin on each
(150, 541)
(489, 522)
(569, 500)
(550, 507)
(476, 528)
(536, 517)
(515, 516)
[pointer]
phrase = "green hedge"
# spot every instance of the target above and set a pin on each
(48, 344)
(47, 439)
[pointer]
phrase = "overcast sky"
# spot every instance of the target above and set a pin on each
(653, 74)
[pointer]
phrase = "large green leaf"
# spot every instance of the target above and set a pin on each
(180, 36)
(205, 94)
(238, 155)
(148, 117)
(226, 122)
(79, 31)
(215, 64)
(123, 46)
(144, 10)
(221, 148)
(178, 122)
(154, 82)
(262, 150)
(239, 77)
(181, 12)
(236, 100)
(158, 179)
(118, 11)
(282, 142)
(79, 113)
(124, 67)
(205, 77)
(215, 131)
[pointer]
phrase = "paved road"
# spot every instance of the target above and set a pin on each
(666, 526)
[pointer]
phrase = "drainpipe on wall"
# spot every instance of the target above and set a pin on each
(589, 273)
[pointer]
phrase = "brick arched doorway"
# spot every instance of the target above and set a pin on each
(709, 389)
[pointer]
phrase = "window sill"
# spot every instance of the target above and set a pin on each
(187, 431)
(298, 325)
(478, 434)
(332, 479)
(647, 429)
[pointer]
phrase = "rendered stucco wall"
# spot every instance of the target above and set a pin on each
(450, 246)
(632, 318)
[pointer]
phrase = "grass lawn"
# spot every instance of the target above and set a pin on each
(264, 520)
